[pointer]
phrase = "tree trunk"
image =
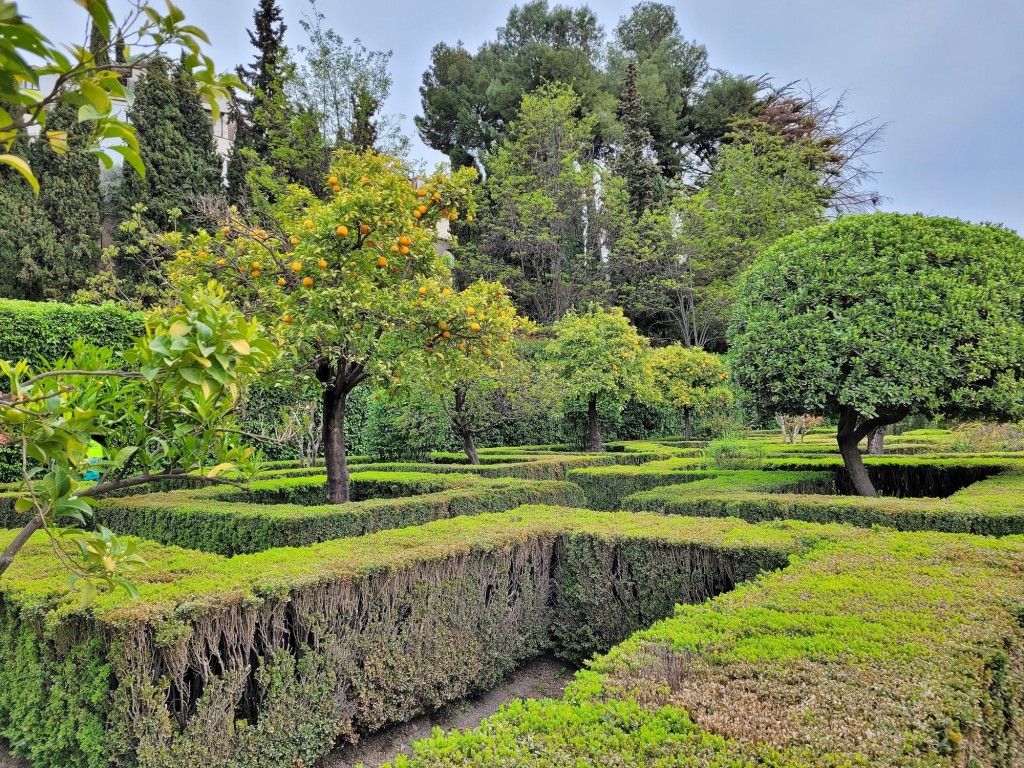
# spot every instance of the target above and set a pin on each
(18, 542)
(334, 445)
(847, 436)
(470, 444)
(876, 441)
(687, 431)
(595, 431)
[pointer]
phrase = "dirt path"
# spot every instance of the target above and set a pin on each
(543, 677)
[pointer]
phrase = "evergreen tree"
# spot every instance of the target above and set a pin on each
(263, 80)
(50, 244)
(634, 160)
(177, 148)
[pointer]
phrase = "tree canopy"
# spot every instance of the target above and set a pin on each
(873, 318)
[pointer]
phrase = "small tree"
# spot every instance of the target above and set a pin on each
(164, 412)
(600, 357)
(691, 380)
(355, 283)
(876, 317)
(482, 389)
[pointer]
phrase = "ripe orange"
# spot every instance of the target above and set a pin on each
(255, 265)
(453, 217)
(336, 189)
(615, 367)
(437, 195)
(422, 291)
(281, 281)
(394, 249)
(416, 213)
(422, 209)
(221, 262)
(474, 326)
(405, 250)
(460, 347)
(307, 281)
(381, 261)
(293, 240)
(446, 292)
(470, 311)
(421, 192)
(255, 273)
(309, 223)
(322, 263)
(201, 255)
(487, 352)
(469, 217)
(405, 240)
(364, 229)
(444, 212)
(287, 318)
(443, 326)
(296, 266)
(359, 326)
(342, 231)
(446, 335)
(333, 180)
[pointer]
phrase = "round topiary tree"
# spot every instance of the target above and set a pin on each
(875, 317)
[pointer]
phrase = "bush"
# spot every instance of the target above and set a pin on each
(734, 453)
(30, 330)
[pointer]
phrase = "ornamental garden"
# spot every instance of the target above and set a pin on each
(323, 443)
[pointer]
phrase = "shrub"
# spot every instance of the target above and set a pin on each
(31, 330)
(734, 453)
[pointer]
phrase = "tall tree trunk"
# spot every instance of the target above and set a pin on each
(687, 431)
(848, 438)
(19, 541)
(876, 441)
(595, 430)
(334, 444)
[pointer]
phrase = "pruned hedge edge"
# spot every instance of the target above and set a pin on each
(883, 649)
(262, 660)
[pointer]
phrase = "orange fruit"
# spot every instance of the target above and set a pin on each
(460, 347)
(470, 311)
(364, 229)
(437, 195)
(221, 262)
(363, 180)
(296, 266)
(405, 240)
(474, 326)
(487, 352)
(442, 326)
(255, 265)
(281, 281)
(287, 318)
(336, 189)
(309, 223)
(370, 244)
(381, 261)
(359, 326)
(405, 250)
(446, 292)
(421, 192)
(307, 281)
(293, 240)
(255, 273)
(469, 217)
(322, 263)
(422, 291)
(453, 217)
(444, 212)
(333, 180)
(225, 230)
(394, 249)
(201, 255)
(417, 214)
(342, 231)
(615, 367)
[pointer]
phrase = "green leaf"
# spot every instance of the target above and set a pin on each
(23, 168)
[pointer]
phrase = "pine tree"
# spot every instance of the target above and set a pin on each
(263, 80)
(634, 160)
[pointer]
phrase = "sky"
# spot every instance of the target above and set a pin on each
(944, 75)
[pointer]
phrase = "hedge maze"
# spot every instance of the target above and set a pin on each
(745, 612)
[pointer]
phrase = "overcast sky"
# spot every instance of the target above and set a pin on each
(945, 74)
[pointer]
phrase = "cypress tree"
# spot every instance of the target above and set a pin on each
(634, 161)
(263, 81)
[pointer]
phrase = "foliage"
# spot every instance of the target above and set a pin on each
(813, 330)
(734, 453)
(49, 243)
(633, 161)
(691, 380)
(354, 283)
(164, 416)
(988, 437)
(88, 83)
(37, 331)
(541, 236)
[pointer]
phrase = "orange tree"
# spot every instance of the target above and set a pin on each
(601, 357)
(354, 283)
(690, 379)
(481, 384)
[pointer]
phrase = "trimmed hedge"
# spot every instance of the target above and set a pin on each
(993, 507)
(264, 660)
(880, 649)
(30, 330)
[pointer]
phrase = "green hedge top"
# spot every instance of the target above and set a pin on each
(175, 577)
(882, 649)
(30, 330)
